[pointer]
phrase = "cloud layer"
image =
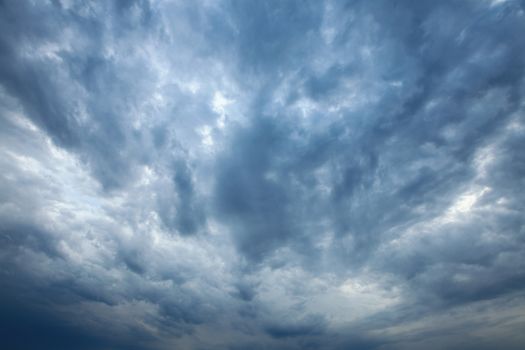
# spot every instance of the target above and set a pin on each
(262, 174)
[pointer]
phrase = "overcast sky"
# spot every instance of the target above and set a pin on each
(254, 174)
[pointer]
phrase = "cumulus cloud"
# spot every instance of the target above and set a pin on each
(262, 174)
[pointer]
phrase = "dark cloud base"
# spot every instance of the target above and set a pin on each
(262, 174)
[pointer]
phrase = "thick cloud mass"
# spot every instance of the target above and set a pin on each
(262, 174)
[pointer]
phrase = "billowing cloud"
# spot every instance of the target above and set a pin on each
(262, 174)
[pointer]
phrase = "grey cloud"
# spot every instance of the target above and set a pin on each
(328, 175)
(313, 325)
(270, 41)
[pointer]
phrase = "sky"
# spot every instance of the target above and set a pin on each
(230, 175)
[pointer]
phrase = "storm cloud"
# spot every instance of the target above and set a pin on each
(262, 174)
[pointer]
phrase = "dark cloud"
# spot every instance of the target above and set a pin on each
(313, 325)
(265, 174)
(280, 35)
